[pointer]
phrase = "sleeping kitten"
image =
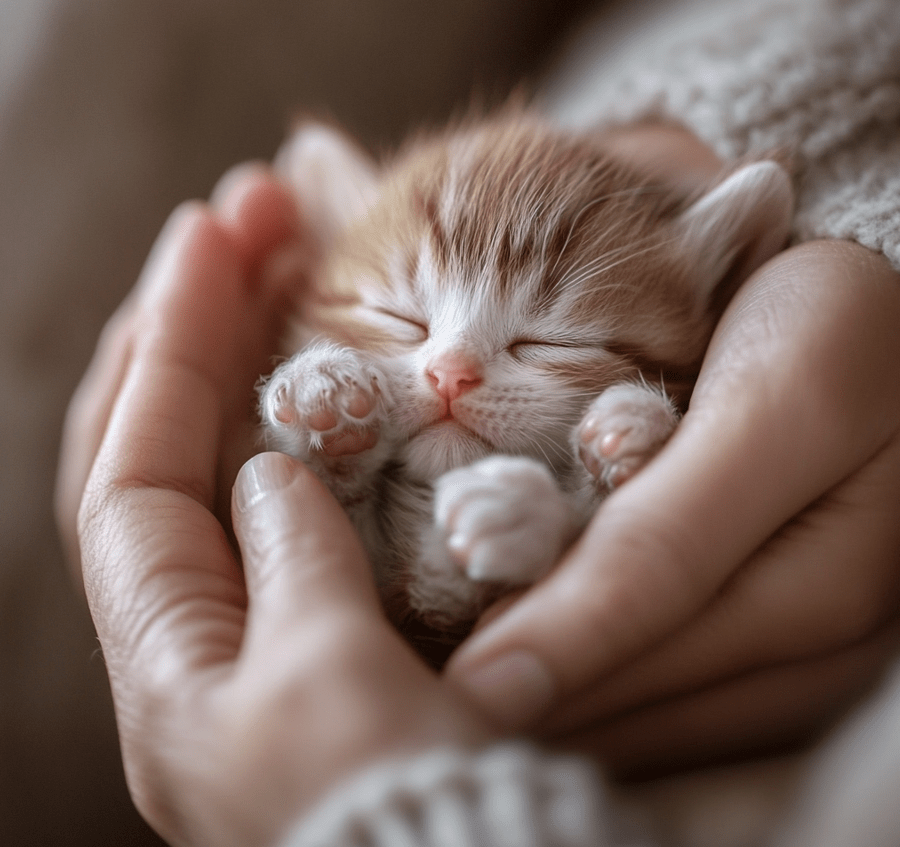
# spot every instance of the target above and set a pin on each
(489, 322)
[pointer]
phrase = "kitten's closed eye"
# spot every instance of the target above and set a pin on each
(402, 326)
(533, 349)
(525, 349)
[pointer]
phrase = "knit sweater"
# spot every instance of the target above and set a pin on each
(817, 81)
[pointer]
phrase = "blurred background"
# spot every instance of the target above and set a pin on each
(112, 112)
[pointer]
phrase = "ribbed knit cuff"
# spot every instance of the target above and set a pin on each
(510, 795)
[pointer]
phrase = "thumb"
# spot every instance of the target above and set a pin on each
(301, 556)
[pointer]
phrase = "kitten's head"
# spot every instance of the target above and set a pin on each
(507, 272)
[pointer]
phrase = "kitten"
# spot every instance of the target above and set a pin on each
(481, 351)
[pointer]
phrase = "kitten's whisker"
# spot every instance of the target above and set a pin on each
(596, 268)
(627, 249)
(539, 447)
(614, 225)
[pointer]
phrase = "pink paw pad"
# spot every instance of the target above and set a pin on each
(624, 428)
(325, 399)
(358, 406)
(345, 432)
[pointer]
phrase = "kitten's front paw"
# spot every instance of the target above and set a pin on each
(623, 429)
(504, 519)
(326, 399)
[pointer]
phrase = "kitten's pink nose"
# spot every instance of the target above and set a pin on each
(453, 373)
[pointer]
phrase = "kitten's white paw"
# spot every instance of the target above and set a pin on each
(504, 519)
(326, 398)
(623, 429)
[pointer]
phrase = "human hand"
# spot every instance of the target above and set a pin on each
(241, 695)
(255, 225)
(743, 588)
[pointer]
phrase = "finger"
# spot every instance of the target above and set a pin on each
(762, 712)
(86, 420)
(202, 335)
(751, 452)
(302, 558)
(260, 214)
(827, 581)
(162, 581)
(256, 209)
(164, 426)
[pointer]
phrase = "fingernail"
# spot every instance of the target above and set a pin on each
(260, 476)
(514, 690)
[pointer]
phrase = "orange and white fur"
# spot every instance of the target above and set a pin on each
(488, 324)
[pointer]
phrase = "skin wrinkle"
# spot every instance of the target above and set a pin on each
(186, 379)
(126, 486)
(847, 625)
(159, 611)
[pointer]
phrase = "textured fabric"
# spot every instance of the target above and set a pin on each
(508, 796)
(817, 80)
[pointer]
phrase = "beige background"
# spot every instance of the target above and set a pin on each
(111, 112)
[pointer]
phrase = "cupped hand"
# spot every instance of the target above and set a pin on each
(744, 588)
(243, 692)
(250, 224)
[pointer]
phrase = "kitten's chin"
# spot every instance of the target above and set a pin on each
(442, 447)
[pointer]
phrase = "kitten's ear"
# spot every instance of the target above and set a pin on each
(738, 225)
(335, 182)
